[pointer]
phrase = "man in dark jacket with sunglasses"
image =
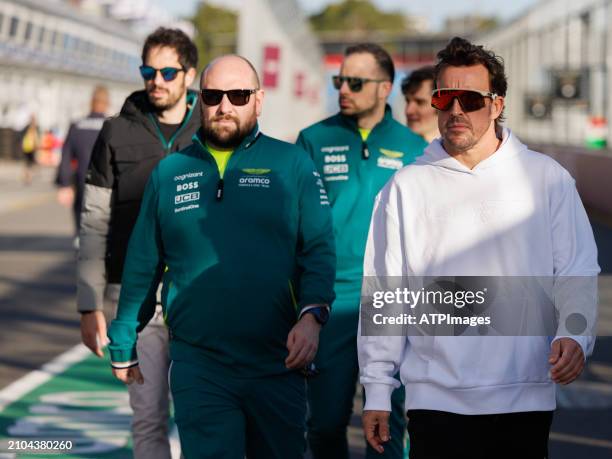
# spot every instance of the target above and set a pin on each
(153, 123)
(356, 152)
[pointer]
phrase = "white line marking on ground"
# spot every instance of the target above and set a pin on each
(36, 378)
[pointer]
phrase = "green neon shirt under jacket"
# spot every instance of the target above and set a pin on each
(244, 254)
(354, 170)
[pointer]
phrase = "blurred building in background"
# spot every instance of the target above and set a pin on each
(52, 54)
(142, 16)
(275, 36)
(558, 58)
(469, 24)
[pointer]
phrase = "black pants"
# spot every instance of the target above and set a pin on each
(442, 435)
(77, 207)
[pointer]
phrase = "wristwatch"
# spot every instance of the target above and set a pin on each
(320, 313)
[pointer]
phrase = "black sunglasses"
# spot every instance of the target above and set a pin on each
(237, 97)
(167, 73)
(355, 84)
(469, 99)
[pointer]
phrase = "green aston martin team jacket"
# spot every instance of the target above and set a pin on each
(244, 253)
(354, 171)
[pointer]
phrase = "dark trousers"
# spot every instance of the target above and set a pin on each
(331, 393)
(442, 435)
(230, 418)
(77, 206)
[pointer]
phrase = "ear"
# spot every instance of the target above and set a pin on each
(259, 98)
(384, 89)
(497, 107)
(190, 76)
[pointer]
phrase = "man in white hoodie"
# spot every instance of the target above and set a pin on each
(477, 203)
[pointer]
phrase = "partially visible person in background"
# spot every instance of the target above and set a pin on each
(49, 150)
(421, 117)
(29, 144)
(76, 154)
(153, 123)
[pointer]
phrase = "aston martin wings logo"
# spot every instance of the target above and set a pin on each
(256, 171)
(391, 153)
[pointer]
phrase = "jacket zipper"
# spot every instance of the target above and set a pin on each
(365, 153)
(220, 182)
(220, 189)
(168, 145)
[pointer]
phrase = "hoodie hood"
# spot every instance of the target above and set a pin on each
(436, 155)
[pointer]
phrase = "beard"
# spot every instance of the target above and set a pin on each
(355, 111)
(460, 142)
(167, 101)
(226, 137)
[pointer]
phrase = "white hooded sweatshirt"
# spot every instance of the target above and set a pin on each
(517, 213)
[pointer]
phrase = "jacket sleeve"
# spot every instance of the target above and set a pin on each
(316, 247)
(65, 174)
(380, 356)
(95, 225)
(141, 276)
(575, 264)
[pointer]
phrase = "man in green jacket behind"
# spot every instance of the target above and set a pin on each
(356, 152)
(241, 225)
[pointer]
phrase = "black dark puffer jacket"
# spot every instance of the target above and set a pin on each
(128, 148)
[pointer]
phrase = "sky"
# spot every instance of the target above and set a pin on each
(434, 11)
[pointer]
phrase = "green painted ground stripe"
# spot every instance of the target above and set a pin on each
(78, 401)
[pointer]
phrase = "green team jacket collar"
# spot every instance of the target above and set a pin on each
(352, 122)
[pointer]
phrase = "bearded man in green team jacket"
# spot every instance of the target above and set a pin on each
(356, 152)
(243, 224)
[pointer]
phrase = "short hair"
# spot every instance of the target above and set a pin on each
(176, 39)
(99, 91)
(460, 52)
(100, 95)
(413, 82)
(382, 57)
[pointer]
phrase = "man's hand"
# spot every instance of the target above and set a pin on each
(93, 331)
(567, 360)
(129, 375)
(65, 196)
(303, 342)
(376, 428)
